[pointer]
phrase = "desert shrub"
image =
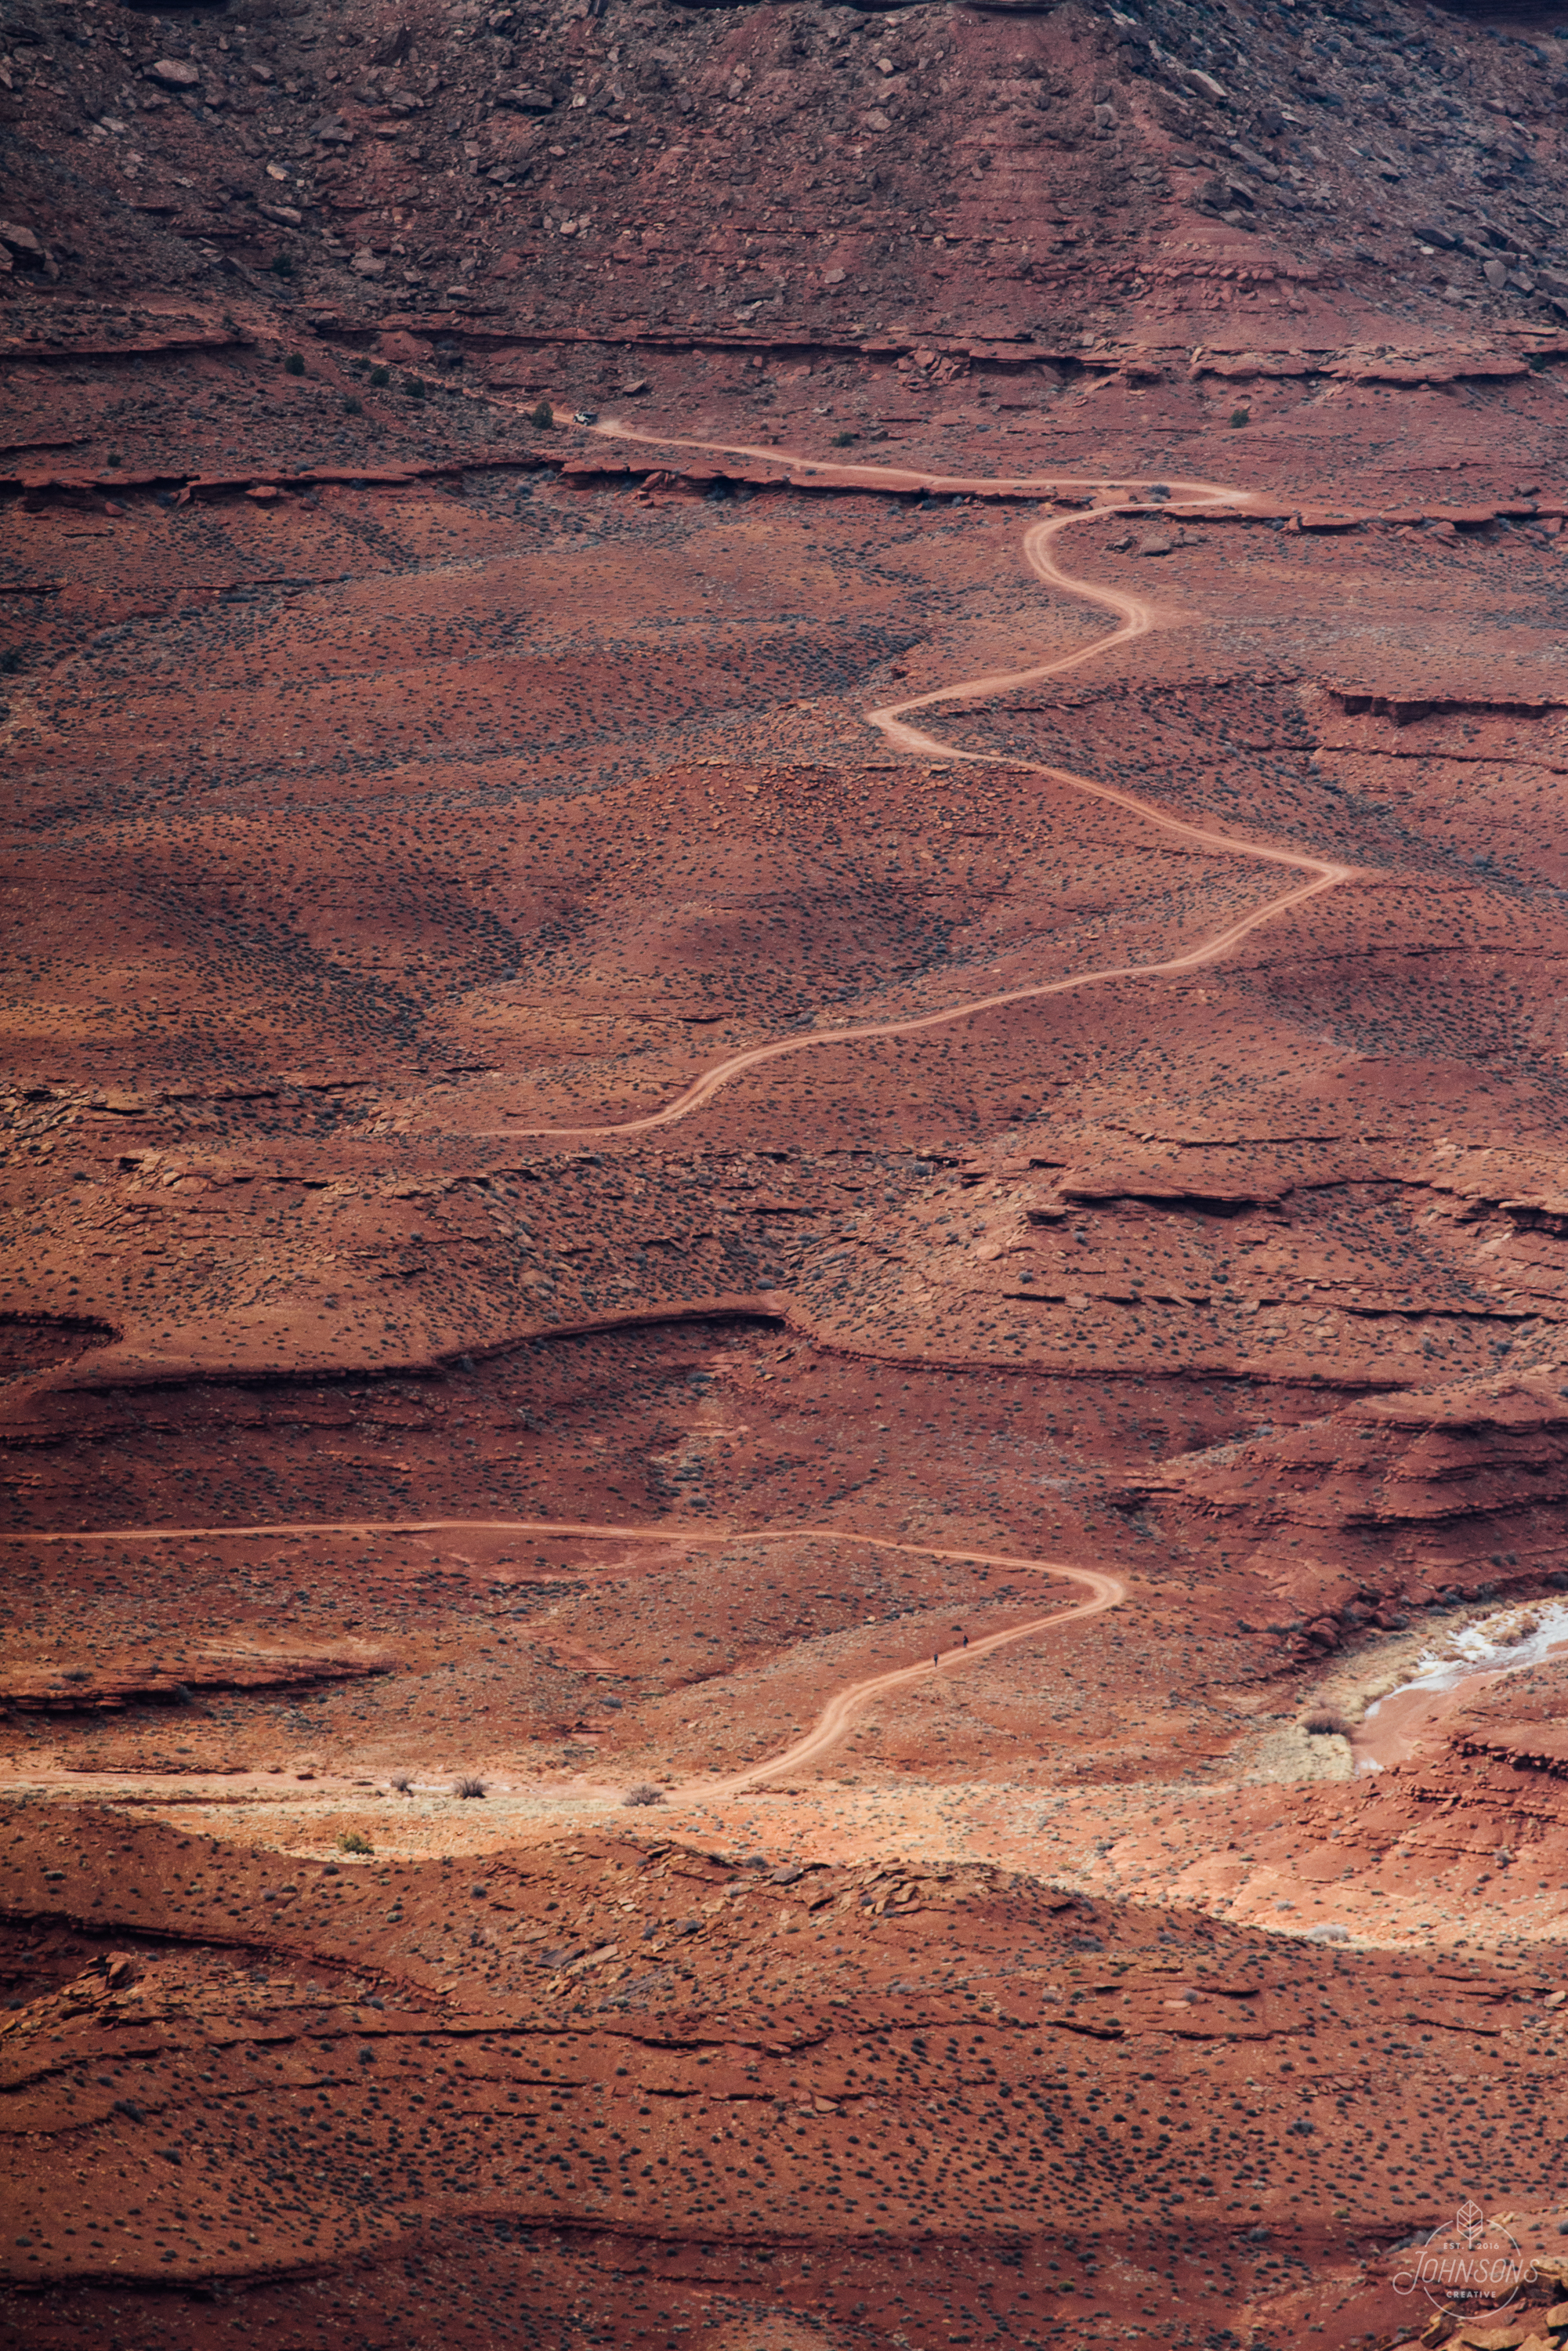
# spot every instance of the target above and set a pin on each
(354, 405)
(1323, 1723)
(282, 265)
(381, 376)
(11, 661)
(415, 386)
(843, 440)
(294, 364)
(354, 1841)
(400, 1783)
(1242, 416)
(467, 1787)
(644, 1793)
(543, 416)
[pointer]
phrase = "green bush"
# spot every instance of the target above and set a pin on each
(294, 364)
(1242, 416)
(381, 375)
(354, 1841)
(354, 405)
(415, 386)
(543, 416)
(10, 661)
(282, 265)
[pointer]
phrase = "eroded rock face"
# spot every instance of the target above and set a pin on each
(654, 2046)
(795, 166)
(1407, 1496)
(785, 1239)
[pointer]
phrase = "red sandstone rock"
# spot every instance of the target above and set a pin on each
(411, 786)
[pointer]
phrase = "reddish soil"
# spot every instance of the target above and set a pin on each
(788, 1041)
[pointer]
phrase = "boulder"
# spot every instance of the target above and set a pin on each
(174, 73)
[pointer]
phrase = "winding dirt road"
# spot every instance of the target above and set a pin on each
(1105, 1591)
(1135, 619)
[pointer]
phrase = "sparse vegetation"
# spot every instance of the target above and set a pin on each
(354, 1841)
(1242, 416)
(543, 417)
(381, 376)
(467, 1787)
(413, 385)
(354, 405)
(644, 1792)
(1324, 1723)
(400, 1785)
(294, 364)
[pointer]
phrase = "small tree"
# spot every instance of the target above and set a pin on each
(543, 417)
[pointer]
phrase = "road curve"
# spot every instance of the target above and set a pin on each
(1105, 1591)
(1135, 619)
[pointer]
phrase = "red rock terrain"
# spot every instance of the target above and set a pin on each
(782, 1385)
